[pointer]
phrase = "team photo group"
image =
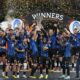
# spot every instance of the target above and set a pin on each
(29, 48)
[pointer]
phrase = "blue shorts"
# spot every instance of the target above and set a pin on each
(44, 61)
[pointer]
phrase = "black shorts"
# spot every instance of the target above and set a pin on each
(20, 60)
(2, 54)
(44, 61)
(35, 59)
(61, 53)
(75, 50)
(53, 52)
(10, 59)
(66, 62)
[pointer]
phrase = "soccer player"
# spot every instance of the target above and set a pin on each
(34, 54)
(20, 57)
(11, 54)
(75, 44)
(53, 52)
(3, 53)
(77, 50)
(44, 58)
(66, 58)
(60, 42)
(25, 65)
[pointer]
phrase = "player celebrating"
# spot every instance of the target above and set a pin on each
(3, 52)
(76, 49)
(66, 57)
(44, 58)
(11, 54)
(34, 54)
(20, 57)
(53, 52)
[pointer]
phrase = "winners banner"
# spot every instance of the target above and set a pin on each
(48, 15)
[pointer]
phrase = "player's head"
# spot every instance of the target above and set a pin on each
(13, 37)
(50, 32)
(44, 40)
(11, 31)
(21, 32)
(16, 29)
(25, 40)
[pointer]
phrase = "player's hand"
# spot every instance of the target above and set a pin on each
(22, 50)
(45, 48)
(2, 47)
